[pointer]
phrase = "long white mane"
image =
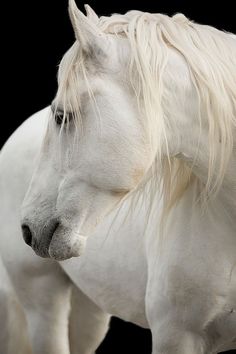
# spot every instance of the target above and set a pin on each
(211, 57)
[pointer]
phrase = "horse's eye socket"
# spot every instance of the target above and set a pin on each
(59, 117)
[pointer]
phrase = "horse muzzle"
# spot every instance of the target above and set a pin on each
(54, 241)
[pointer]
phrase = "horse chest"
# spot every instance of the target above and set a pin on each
(113, 273)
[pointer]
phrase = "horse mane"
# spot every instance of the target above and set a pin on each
(211, 58)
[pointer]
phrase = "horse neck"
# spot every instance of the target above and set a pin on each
(187, 138)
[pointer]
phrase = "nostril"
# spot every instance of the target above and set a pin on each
(27, 235)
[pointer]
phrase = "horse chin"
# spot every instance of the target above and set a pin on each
(62, 248)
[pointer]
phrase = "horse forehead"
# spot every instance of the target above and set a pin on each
(82, 91)
(99, 80)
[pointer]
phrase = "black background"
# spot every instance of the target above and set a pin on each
(35, 36)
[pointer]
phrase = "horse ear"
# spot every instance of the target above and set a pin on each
(91, 14)
(86, 32)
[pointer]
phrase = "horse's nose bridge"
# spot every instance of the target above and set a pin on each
(66, 192)
(33, 208)
(41, 194)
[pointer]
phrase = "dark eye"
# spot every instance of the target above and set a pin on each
(59, 115)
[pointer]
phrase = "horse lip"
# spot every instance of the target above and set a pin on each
(42, 252)
(41, 249)
(62, 249)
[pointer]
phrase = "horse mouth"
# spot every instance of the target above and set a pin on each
(41, 251)
(55, 240)
(66, 245)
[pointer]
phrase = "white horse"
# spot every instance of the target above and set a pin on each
(31, 286)
(145, 114)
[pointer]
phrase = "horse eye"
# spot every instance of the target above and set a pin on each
(59, 117)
